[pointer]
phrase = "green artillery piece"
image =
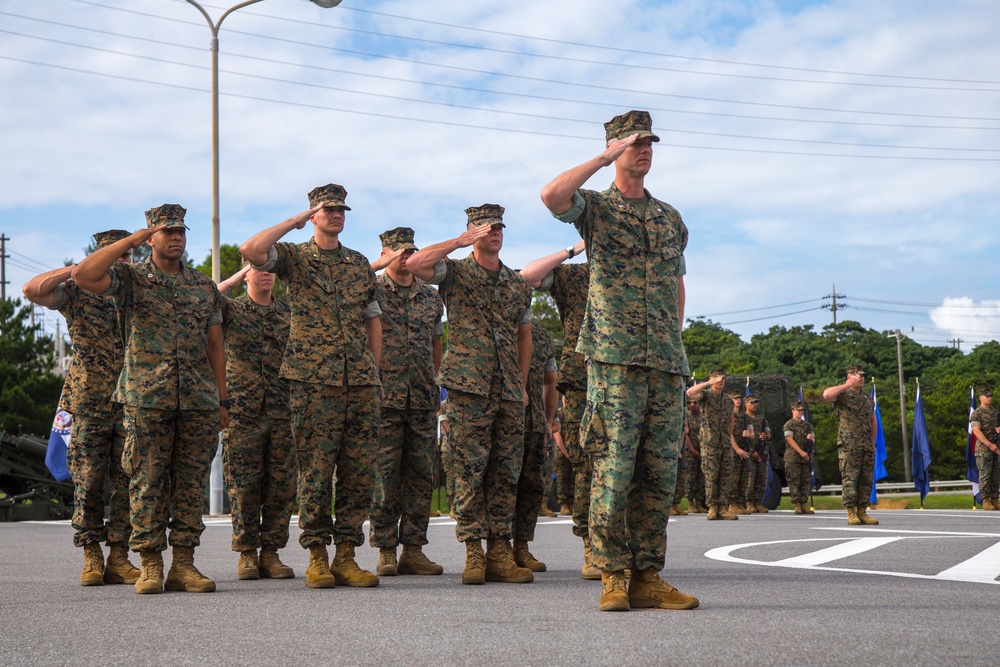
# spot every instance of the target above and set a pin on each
(27, 490)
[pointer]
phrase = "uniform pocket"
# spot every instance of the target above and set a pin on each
(593, 431)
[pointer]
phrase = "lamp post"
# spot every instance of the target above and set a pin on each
(214, 27)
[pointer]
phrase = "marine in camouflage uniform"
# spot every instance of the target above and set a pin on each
(94, 453)
(717, 444)
(258, 460)
(798, 467)
(984, 424)
(485, 370)
(694, 484)
(411, 355)
(538, 416)
(631, 336)
(172, 384)
(331, 363)
(741, 467)
(569, 285)
(759, 461)
(855, 443)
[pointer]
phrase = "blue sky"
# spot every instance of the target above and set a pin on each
(806, 144)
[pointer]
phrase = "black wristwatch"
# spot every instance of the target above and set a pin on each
(225, 403)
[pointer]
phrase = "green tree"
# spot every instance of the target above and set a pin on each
(708, 345)
(546, 314)
(29, 390)
(230, 262)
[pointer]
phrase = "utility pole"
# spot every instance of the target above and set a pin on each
(3, 266)
(834, 306)
(902, 404)
(956, 343)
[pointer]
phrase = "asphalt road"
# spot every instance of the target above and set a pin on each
(775, 589)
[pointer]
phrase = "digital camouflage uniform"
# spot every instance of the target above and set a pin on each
(741, 467)
(401, 500)
(531, 483)
(631, 336)
(987, 461)
(333, 385)
(716, 449)
(171, 398)
(694, 484)
(258, 460)
(797, 469)
(757, 473)
(485, 396)
(569, 284)
(855, 447)
(96, 441)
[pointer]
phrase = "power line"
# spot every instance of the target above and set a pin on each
(750, 310)
(769, 317)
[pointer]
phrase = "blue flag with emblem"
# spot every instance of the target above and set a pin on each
(921, 455)
(971, 467)
(55, 454)
(880, 472)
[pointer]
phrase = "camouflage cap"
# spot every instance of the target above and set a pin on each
(627, 124)
(986, 392)
(856, 368)
(400, 238)
(752, 399)
(487, 214)
(329, 195)
(104, 239)
(734, 394)
(798, 405)
(171, 215)
(717, 373)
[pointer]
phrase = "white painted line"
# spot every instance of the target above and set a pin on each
(983, 567)
(838, 551)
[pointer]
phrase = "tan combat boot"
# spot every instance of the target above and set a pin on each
(387, 565)
(248, 567)
(524, 558)
(151, 576)
(588, 571)
(759, 508)
(434, 514)
(713, 513)
(727, 514)
(93, 565)
(646, 589)
(318, 573)
(475, 563)
(676, 510)
(184, 576)
(990, 504)
(852, 516)
(546, 512)
(347, 571)
(738, 508)
(414, 561)
(118, 569)
(613, 594)
(501, 566)
(806, 509)
(865, 519)
(799, 509)
(270, 566)
(566, 509)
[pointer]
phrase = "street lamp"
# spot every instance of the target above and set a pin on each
(214, 27)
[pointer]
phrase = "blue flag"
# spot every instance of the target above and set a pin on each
(971, 467)
(921, 449)
(55, 455)
(880, 472)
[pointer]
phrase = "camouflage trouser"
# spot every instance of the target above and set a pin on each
(548, 469)
(564, 478)
(758, 479)
(632, 429)
(93, 454)
(682, 466)
(583, 475)
(260, 473)
(741, 480)
(401, 499)
(168, 454)
(694, 485)
(717, 464)
(857, 474)
(335, 430)
(531, 483)
(487, 443)
(989, 472)
(799, 475)
(447, 465)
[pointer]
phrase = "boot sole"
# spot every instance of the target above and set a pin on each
(149, 591)
(387, 571)
(341, 581)
(179, 587)
(652, 603)
(118, 579)
(616, 605)
(540, 567)
(510, 580)
(290, 574)
(591, 577)
(474, 580)
(248, 576)
(322, 584)
(419, 572)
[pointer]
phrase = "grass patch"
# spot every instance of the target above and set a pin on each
(941, 501)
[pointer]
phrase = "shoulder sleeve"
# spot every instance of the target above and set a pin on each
(60, 297)
(547, 282)
(441, 271)
(579, 204)
(216, 318)
(120, 274)
(272, 259)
